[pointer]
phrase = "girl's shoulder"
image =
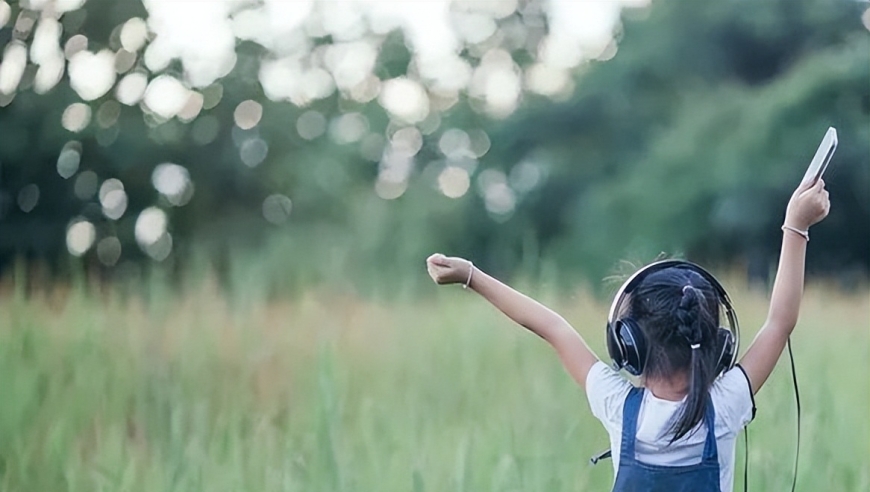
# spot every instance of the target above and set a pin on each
(732, 399)
(606, 390)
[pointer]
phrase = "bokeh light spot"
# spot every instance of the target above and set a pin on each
(107, 136)
(86, 185)
(453, 181)
(254, 151)
(45, 51)
(24, 24)
(12, 68)
(455, 144)
(109, 185)
(407, 141)
(131, 88)
(134, 34)
(311, 124)
(547, 80)
(498, 197)
(49, 74)
(405, 99)
(248, 114)
(151, 233)
(366, 90)
(74, 45)
(480, 143)
(276, 208)
(348, 128)
(108, 113)
(124, 61)
(316, 84)
(173, 182)
(109, 250)
(160, 249)
(80, 237)
(76, 117)
(166, 96)
(192, 108)
(69, 159)
(28, 198)
(6, 99)
(390, 190)
(113, 199)
(5, 13)
(525, 176)
(150, 226)
(92, 75)
(212, 95)
(474, 28)
(68, 5)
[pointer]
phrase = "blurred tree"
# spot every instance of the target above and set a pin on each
(337, 149)
(692, 138)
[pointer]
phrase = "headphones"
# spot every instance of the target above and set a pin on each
(626, 342)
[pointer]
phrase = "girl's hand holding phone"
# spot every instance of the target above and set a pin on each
(809, 204)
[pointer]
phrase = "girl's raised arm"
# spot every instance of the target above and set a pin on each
(808, 205)
(525, 311)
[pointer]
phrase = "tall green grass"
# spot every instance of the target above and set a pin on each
(330, 393)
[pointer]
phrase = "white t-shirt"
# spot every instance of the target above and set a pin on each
(732, 401)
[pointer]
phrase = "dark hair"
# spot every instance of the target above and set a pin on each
(677, 308)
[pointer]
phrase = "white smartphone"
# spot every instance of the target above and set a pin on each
(822, 158)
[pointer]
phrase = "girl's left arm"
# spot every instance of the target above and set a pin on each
(525, 311)
(808, 205)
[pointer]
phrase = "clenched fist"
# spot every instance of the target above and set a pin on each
(448, 270)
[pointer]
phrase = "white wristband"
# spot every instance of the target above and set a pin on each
(803, 234)
(470, 273)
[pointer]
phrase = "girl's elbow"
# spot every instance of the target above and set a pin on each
(782, 324)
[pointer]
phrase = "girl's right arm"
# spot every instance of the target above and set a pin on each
(808, 205)
(525, 311)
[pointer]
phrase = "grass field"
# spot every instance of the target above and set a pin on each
(330, 393)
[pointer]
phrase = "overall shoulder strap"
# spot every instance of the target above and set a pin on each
(630, 412)
(710, 448)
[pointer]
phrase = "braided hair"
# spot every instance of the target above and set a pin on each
(677, 309)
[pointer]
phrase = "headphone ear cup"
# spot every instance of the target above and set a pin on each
(725, 343)
(614, 346)
(633, 344)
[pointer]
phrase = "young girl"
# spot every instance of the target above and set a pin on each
(677, 432)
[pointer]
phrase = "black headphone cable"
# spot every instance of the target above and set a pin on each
(746, 459)
(797, 399)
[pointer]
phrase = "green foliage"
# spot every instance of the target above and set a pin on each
(692, 138)
(688, 141)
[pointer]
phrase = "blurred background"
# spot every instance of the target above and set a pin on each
(214, 216)
(302, 142)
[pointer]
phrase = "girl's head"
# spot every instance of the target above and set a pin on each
(677, 310)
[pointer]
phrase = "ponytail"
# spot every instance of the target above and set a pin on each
(691, 315)
(678, 311)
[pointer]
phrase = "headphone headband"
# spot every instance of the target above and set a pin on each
(635, 279)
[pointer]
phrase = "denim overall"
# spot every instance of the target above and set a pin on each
(634, 476)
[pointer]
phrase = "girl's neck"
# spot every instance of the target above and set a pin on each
(672, 389)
